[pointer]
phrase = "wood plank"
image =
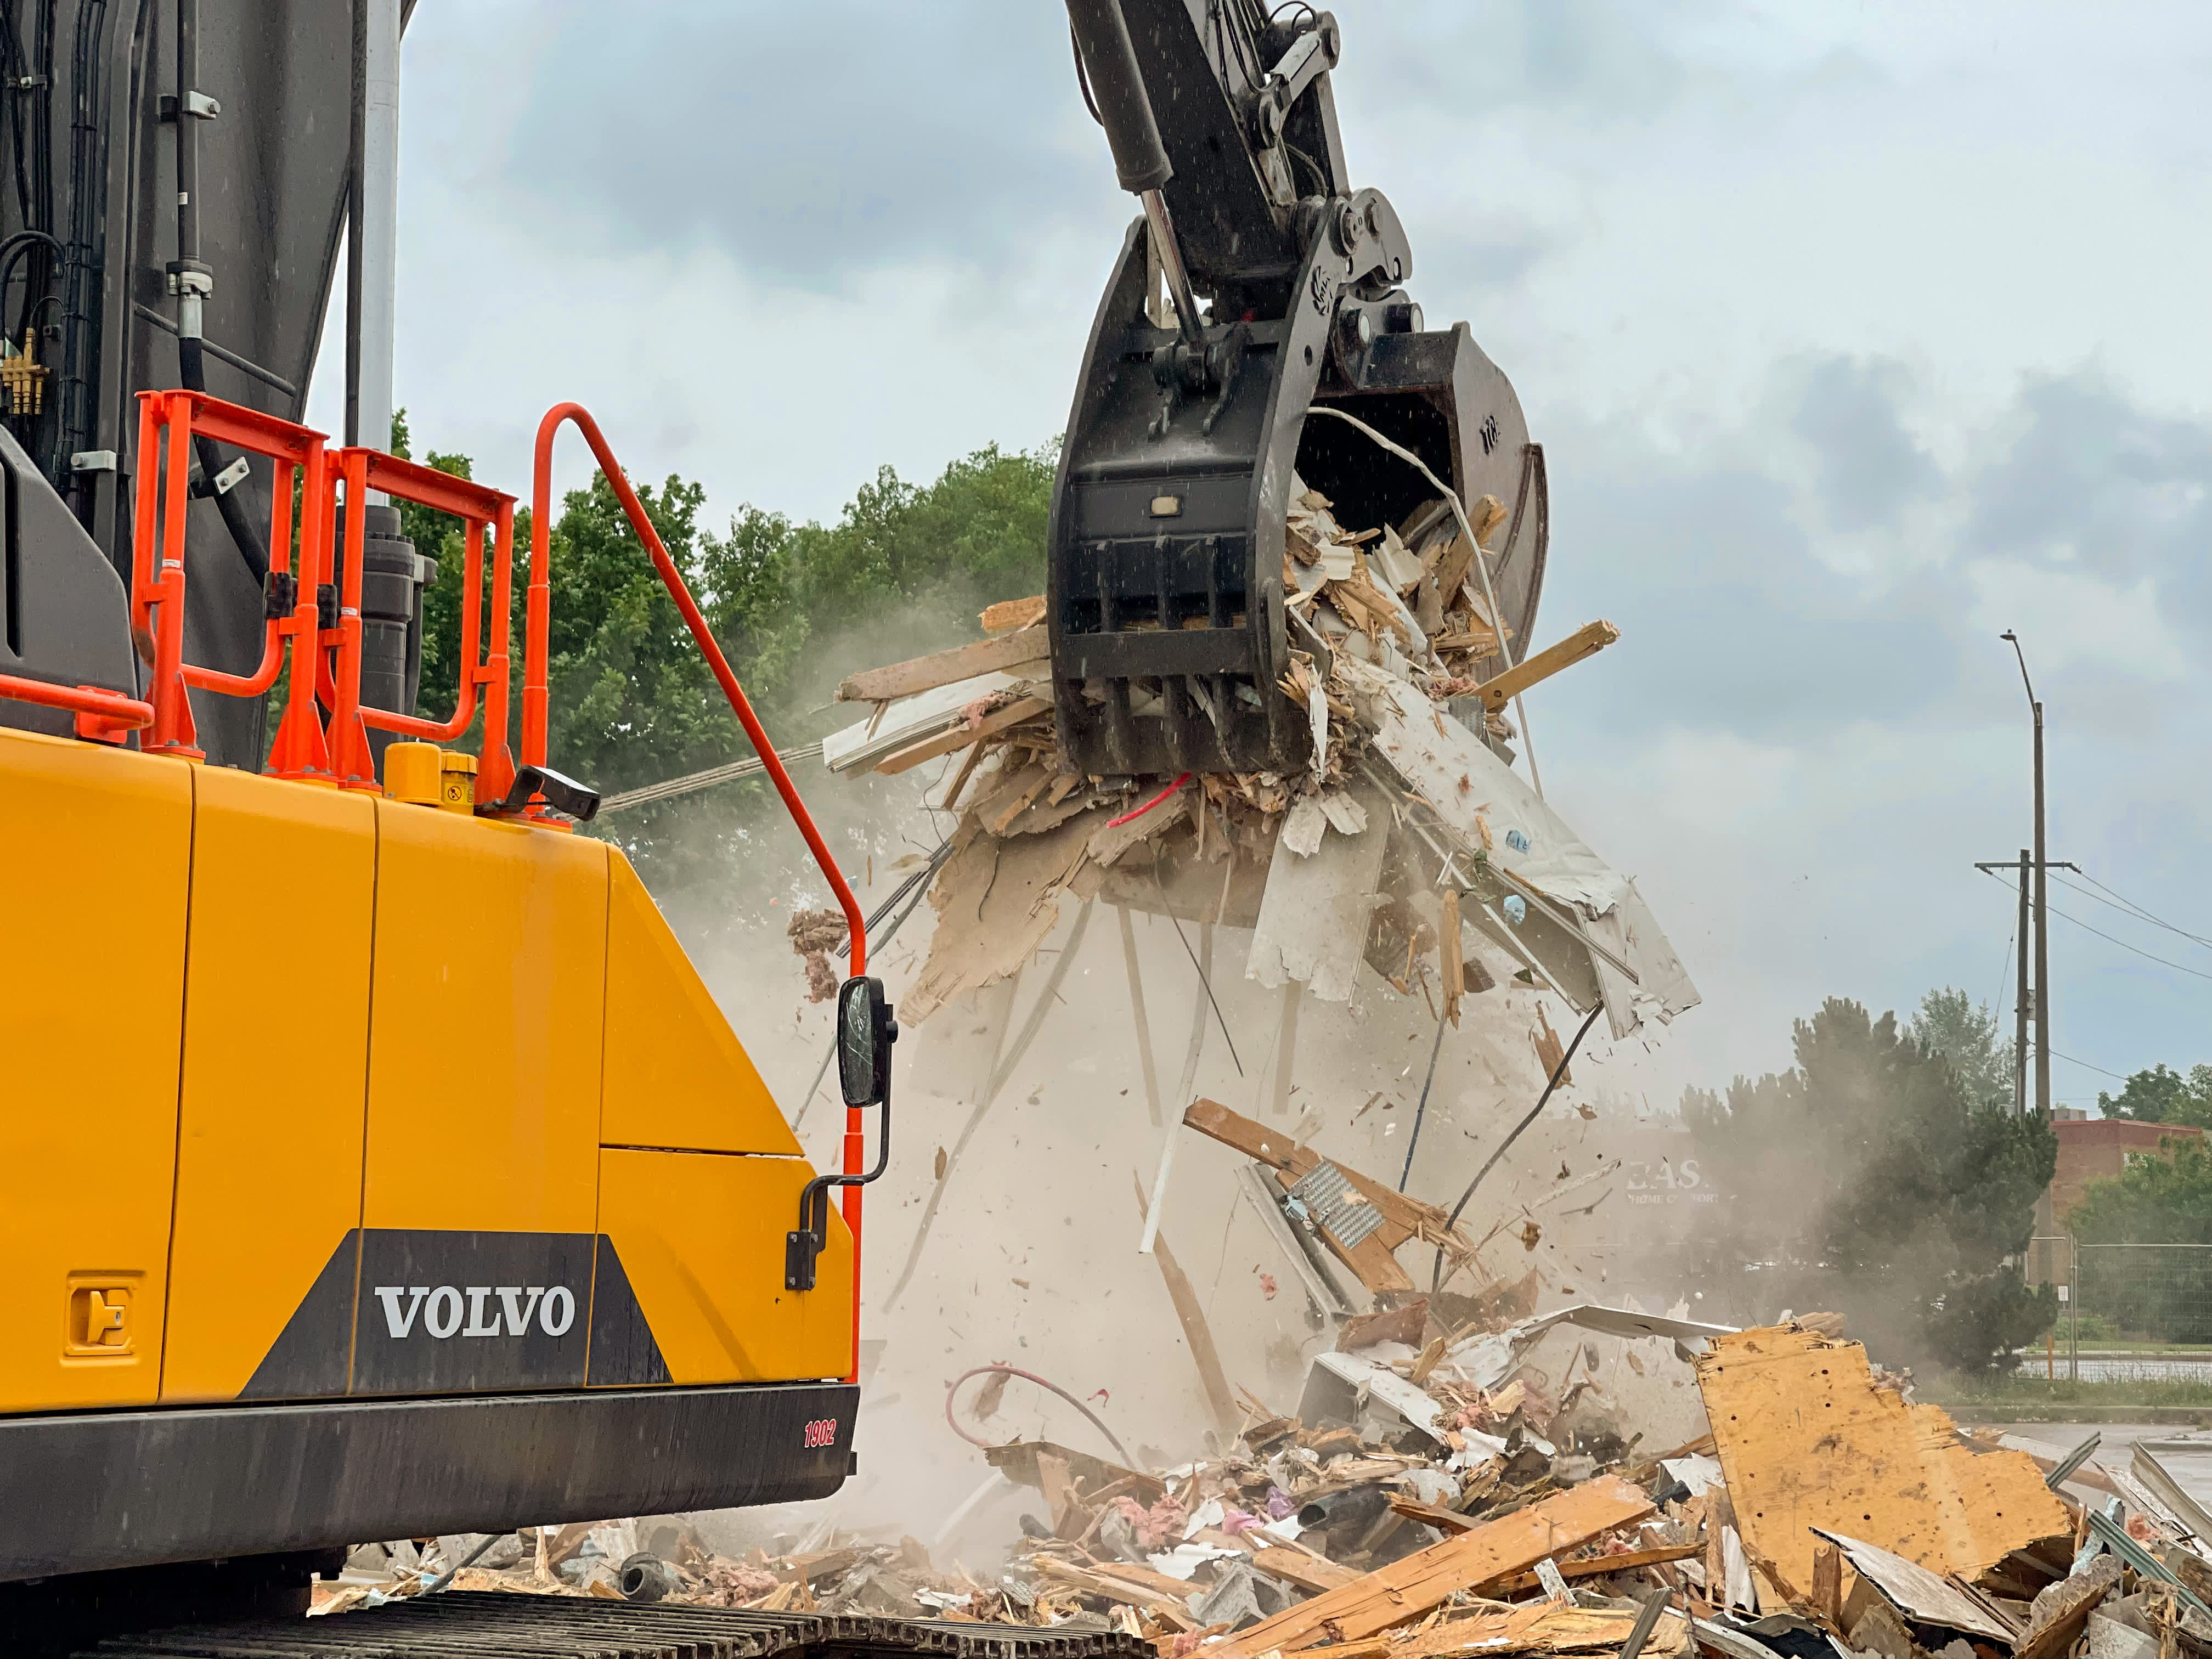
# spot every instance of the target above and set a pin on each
(1013, 613)
(1091, 1582)
(903, 679)
(1246, 1134)
(961, 736)
(1452, 956)
(1070, 1520)
(1585, 642)
(1303, 1568)
(1407, 1589)
(1191, 1313)
(1595, 1566)
(1806, 1439)
(1145, 1578)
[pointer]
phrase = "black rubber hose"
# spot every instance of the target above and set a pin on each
(1559, 1072)
(245, 531)
(192, 365)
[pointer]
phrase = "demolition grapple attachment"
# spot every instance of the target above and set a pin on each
(1258, 284)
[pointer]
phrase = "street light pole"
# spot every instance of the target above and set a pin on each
(2020, 1001)
(2042, 891)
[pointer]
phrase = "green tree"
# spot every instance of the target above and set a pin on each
(793, 606)
(2157, 1198)
(1866, 1179)
(1949, 1023)
(2163, 1199)
(2163, 1096)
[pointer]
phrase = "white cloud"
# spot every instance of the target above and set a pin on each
(2078, 622)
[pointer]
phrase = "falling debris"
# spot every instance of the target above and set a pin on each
(1409, 788)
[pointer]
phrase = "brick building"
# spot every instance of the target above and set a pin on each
(2090, 1149)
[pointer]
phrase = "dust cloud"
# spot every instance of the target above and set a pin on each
(1024, 1253)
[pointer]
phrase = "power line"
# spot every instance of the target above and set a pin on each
(2129, 907)
(2179, 968)
(2086, 1066)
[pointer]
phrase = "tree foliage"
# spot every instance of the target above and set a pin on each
(793, 605)
(1950, 1023)
(2161, 1095)
(1868, 1178)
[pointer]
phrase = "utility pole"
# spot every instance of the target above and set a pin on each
(2042, 916)
(2020, 1002)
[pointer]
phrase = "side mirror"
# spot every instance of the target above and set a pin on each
(866, 1031)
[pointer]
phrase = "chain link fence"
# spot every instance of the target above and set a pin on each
(2132, 1313)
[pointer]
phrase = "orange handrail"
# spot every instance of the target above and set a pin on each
(157, 573)
(99, 713)
(476, 505)
(536, 694)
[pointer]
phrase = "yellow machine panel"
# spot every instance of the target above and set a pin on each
(675, 1076)
(487, 999)
(702, 1239)
(95, 849)
(268, 1175)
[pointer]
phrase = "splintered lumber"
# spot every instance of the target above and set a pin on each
(1191, 1312)
(1019, 1462)
(1585, 642)
(1303, 1568)
(903, 679)
(1591, 1566)
(1406, 1588)
(1537, 1628)
(1372, 1256)
(1013, 613)
(1094, 1581)
(1806, 1439)
(960, 736)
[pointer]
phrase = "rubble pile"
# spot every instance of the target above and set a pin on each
(1439, 1494)
(1407, 837)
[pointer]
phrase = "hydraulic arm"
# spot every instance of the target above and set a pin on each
(1258, 283)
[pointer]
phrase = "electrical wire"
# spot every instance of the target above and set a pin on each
(2178, 967)
(1119, 1450)
(2083, 1064)
(1558, 1071)
(2129, 907)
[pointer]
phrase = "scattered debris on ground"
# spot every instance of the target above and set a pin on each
(1437, 1498)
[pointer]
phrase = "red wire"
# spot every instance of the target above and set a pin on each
(1119, 1450)
(1139, 811)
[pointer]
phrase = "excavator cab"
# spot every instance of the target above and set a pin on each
(1259, 286)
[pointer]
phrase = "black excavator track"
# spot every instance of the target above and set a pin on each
(488, 1625)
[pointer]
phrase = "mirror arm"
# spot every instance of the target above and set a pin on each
(811, 1236)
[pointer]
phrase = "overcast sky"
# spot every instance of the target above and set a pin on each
(1855, 334)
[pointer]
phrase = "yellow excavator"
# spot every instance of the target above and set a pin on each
(373, 1162)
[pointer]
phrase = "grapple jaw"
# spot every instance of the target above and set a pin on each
(1165, 583)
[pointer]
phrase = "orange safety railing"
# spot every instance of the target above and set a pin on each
(157, 568)
(537, 695)
(477, 506)
(101, 713)
(327, 661)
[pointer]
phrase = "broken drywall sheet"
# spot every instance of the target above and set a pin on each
(1314, 914)
(903, 720)
(1489, 806)
(1662, 989)
(996, 902)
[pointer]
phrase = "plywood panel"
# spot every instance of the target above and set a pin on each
(1806, 1439)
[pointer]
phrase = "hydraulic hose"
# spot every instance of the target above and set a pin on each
(1119, 1450)
(192, 367)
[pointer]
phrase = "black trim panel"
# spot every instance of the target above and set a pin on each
(83, 1492)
